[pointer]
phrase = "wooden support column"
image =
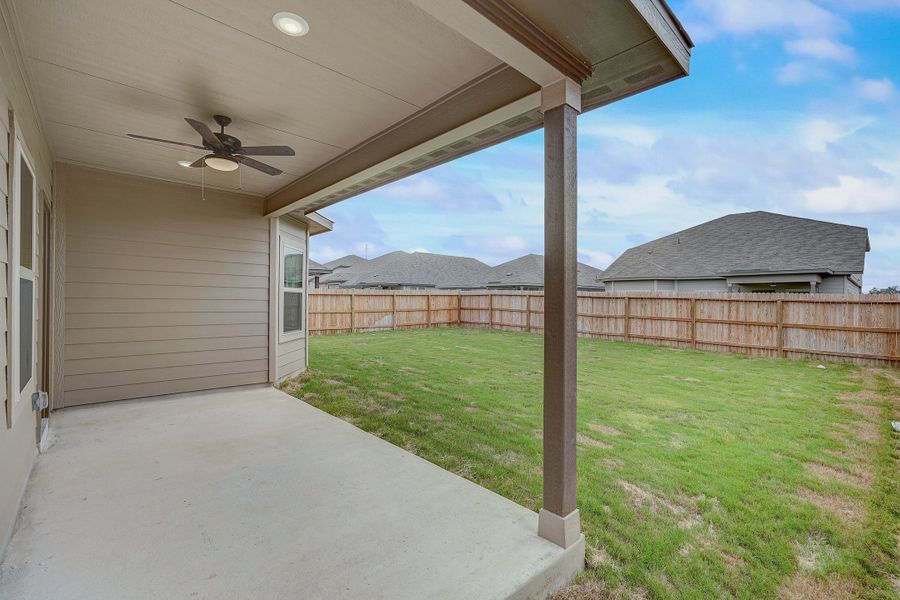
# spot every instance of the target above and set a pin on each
(559, 520)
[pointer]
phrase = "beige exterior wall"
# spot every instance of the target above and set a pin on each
(291, 351)
(668, 285)
(17, 424)
(629, 286)
(838, 284)
(702, 285)
(165, 292)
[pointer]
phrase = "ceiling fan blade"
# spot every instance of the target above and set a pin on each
(153, 139)
(255, 164)
(267, 150)
(198, 162)
(206, 133)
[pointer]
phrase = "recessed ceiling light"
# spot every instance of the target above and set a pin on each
(184, 163)
(290, 24)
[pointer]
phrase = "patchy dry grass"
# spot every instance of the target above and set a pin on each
(700, 475)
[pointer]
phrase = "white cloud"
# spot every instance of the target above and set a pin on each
(797, 72)
(442, 188)
(888, 239)
(595, 258)
(822, 48)
(638, 135)
(855, 195)
(863, 5)
(876, 90)
(710, 18)
(817, 134)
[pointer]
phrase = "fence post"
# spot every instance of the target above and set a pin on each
(693, 323)
(528, 313)
(393, 310)
(352, 295)
(779, 324)
(896, 332)
(491, 310)
(428, 310)
(627, 314)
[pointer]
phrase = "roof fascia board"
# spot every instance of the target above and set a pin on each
(660, 18)
(504, 31)
(692, 277)
(782, 272)
(799, 277)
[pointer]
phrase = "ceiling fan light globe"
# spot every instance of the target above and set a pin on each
(221, 163)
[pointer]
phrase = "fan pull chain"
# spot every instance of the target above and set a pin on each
(202, 172)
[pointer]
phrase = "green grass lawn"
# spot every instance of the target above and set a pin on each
(700, 475)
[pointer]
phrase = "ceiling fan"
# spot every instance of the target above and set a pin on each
(225, 151)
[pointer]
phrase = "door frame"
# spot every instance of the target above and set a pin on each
(44, 274)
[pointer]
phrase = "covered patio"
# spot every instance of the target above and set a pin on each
(148, 255)
(248, 493)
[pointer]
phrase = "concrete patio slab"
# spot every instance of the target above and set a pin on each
(250, 493)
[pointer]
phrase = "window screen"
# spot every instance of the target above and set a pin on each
(26, 331)
(26, 215)
(292, 294)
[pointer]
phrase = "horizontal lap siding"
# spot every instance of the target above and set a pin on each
(164, 292)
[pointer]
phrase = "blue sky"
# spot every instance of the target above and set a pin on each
(792, 106)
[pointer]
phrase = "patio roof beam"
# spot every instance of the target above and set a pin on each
(507, 33)
(559, 519)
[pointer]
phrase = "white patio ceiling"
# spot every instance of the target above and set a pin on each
(383, 70)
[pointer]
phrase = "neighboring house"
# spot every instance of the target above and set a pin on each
(422, 270)
(409, 271)
(314, 273)
(527, 273)
(747, 252)
(339, 269)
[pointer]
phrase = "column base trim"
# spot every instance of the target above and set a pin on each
(562, 531)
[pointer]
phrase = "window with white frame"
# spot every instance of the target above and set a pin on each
(292, 282)
(22, 263)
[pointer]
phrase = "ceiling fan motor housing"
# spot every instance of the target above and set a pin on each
(231, 143)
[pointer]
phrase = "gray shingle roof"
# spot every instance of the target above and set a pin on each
(414, 269)
(351, 260)
(448, 272)
(753, 242)
(315, 267)
(528, 270)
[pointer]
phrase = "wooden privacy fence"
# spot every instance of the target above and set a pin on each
(860, 329)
